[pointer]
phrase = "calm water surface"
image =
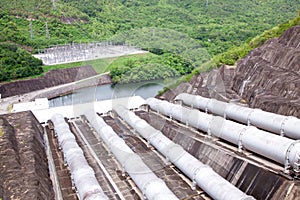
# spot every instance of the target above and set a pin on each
(105, 92)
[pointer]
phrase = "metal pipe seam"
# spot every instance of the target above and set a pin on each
(279, 124)
(151, 186)
(188, 164)
(82, 174)
(261, 142)
(174, 152)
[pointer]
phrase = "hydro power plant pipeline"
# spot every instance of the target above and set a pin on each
(201, 174)
(152, 187)
(83, 176)
(280, 149)
(284, 125)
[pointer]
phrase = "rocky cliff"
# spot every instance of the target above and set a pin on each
(267, 78)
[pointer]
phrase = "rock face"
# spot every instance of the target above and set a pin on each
(214, 84)
(50, 79)
(24, 170)
(267, 78)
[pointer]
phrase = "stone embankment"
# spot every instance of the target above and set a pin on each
(50, 79)
(24, 170)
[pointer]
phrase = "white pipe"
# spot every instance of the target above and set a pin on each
(152, 187)
(280, 149)
(82, 174)
(95, 157)
(208, 180)
(279, 124)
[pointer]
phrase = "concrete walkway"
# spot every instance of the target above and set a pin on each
(6, 103)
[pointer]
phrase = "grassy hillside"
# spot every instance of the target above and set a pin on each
(217, 26)
(192, 29)
(235, 53)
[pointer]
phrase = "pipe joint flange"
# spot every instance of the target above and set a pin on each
(240, 141)
(297, 165)
(187, 123)
(249, 116)
(209, 129)
(287, 163)
(152, 136)
(194, 183)
(174, 152)
(55, 134)
(148, 143)
(206, 105)
(226, 110)
(282, 125)
(196, 172)
(167, 161)
(123, 170)
(155, 181)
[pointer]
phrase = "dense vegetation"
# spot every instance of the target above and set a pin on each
(193, 30)
(17, 63)
(149, 67)
(217, 26)
(235, 53)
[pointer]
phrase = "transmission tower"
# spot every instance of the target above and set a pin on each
(31, 29)
(53, 5)
(206, 3)
(47, 31)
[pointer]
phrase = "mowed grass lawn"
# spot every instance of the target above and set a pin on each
(100, 65)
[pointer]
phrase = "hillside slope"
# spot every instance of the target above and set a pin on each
(217, 26)
(267, 78)
(186, 28)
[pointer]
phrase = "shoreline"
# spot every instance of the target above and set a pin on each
(103, 79)
(53, 92)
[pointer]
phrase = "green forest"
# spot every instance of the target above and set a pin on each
(149, 67)
(191, 31)
(17, 63)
